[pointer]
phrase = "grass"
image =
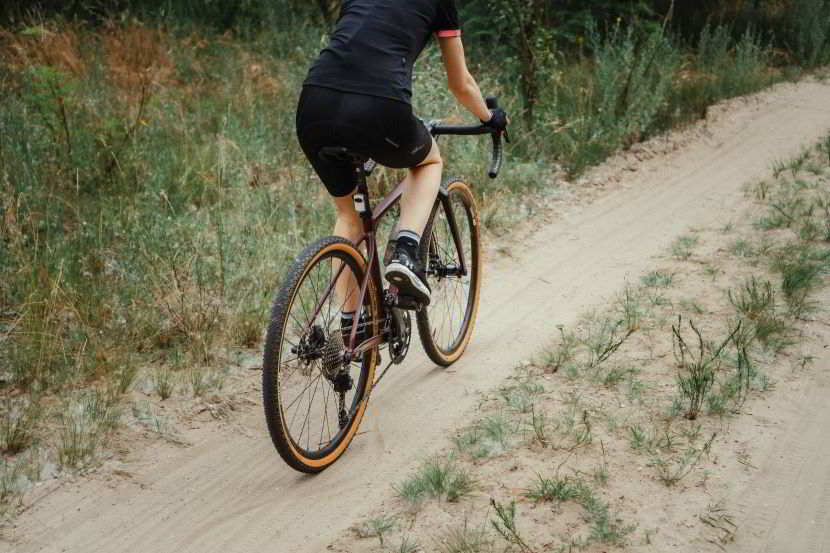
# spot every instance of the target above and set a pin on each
(520, 397)
(141, 182)
(375, 527)
(801, 269)
(505, 525)
(653, 416)
(604, 527)
(86, 421)
(682, 248)
(164, 382)
(465, 539)
(18, 426)
(697, 365)
(658, 279)
(673, 468)
(555, 489)
(437, 478)
(407, 546)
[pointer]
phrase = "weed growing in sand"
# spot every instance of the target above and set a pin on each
(800, 270)
(505, 525)
(125, 376)
(164, 381)
(754, 299)
(556, 489)
(755, 302)
(603, 336)
(375, 527)
(520, 397)
(563, 353)
(84, 422)
(539, 425)
(658, 279)
(203, 380)
(407, 546)
(437, 478)
(465, 539)
(697, 365)
(672, 468)
(683, 246)
(18, 426)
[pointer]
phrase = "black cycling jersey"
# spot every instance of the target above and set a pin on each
(376, 42)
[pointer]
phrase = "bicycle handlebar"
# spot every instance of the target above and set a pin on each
(467, 130)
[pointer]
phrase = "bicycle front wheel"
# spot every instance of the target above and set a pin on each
(446, 325)
(313, 402)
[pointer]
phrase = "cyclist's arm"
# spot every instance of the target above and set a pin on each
(460, 82)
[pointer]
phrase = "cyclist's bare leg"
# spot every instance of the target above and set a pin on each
(349, 226)
(420, 188)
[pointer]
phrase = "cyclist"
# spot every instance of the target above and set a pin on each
(357, 95)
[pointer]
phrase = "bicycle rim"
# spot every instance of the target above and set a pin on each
(446, 325)
(311, 415)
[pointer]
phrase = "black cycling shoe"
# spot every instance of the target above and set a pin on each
(407, 274)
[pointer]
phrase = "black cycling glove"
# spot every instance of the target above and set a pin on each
(498, 120)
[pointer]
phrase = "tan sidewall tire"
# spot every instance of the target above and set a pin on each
(271, 389)
(434, 353)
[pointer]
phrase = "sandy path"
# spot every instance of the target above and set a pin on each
(784, 505)
(234, 494)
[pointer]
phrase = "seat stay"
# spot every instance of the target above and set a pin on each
(322, 300)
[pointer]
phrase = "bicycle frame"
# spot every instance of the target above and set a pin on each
(370, 217)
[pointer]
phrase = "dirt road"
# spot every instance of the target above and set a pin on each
(232, 493)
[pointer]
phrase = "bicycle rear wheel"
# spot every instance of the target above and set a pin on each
(313, 404)
(446, 325)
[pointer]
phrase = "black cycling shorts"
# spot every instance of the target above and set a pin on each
(380, 128)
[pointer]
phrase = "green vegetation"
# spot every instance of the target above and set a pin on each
(152, 192)
(375, 528)
(437, 478)
(549, 450)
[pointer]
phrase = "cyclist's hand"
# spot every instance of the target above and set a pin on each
(498, 122)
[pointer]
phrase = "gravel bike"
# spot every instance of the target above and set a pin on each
(317, 378)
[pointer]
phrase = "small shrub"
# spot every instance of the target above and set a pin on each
(697, 366)
(658, 279)
(555, 489)
(437, 479)
(18, 427)
(164, 381)
(683, 246)
(85, 422)
(375, 527)
(465, 540)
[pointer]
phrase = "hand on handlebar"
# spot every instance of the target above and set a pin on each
(498, 121)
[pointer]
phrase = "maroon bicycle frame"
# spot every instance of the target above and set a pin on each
(370, 217)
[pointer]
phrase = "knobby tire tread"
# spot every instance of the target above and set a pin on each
(445, 359)
(270, 377)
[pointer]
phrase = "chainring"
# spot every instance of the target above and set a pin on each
(401, 335)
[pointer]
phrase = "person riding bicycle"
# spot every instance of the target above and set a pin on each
(357, 95)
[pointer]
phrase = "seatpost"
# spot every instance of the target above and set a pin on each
(361, 197)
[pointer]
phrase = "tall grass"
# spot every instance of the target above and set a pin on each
(640, 82)
(152, 191)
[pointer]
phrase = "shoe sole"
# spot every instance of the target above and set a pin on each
(407, 282)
